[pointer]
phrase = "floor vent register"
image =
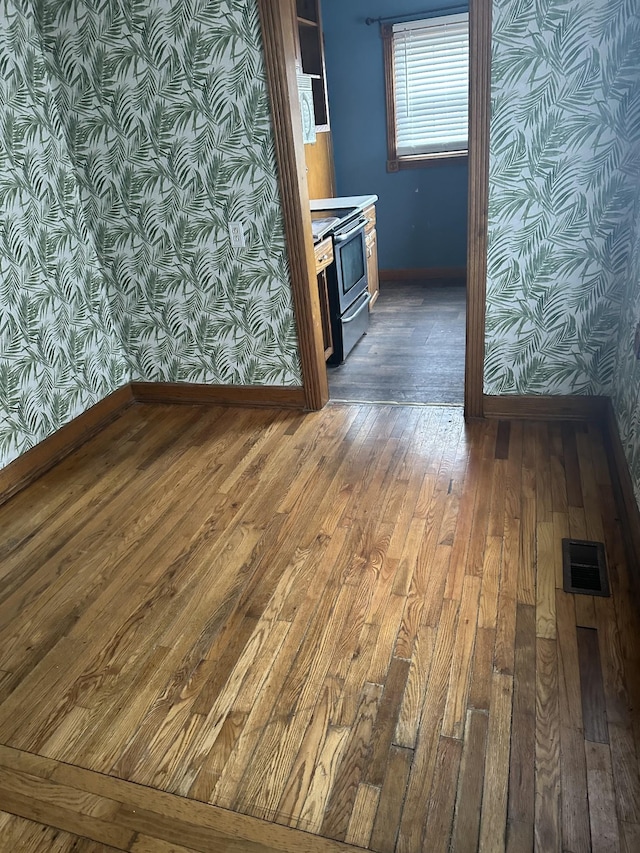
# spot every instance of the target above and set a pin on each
(584, 566)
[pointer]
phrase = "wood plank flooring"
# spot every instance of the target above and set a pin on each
(414, 349)
(254, 630)
(26, 836)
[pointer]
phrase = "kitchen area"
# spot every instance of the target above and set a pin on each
(393, 362)
(344, 237)
(344, 228)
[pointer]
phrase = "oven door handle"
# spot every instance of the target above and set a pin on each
(358, 312)
(340, 238)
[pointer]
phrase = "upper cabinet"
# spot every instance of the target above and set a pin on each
(312, 57)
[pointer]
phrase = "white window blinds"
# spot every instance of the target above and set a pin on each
(431, 62)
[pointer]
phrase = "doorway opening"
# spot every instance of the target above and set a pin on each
(399, 130)
(281, 45)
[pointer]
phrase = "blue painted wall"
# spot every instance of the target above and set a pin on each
(422, 213)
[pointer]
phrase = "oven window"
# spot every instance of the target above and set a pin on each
(351, 262)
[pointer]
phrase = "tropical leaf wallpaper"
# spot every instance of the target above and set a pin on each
(565, 132)
(132, 133)
(626, 390)
(164, 108)
(59, 351)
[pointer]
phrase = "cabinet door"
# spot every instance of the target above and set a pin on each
(323, 293)
(324, 258)
(371, 240)
(372, 265)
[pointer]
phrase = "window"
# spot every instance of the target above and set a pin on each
(427, 80)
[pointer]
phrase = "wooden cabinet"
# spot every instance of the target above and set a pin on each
(312, 57)
(324, 258)
(319, 161)
(371, 240)
(310, 60)
(324, 254)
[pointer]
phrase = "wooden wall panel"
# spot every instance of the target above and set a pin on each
(320, 169)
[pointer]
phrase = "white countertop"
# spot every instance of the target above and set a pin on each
(360, 201)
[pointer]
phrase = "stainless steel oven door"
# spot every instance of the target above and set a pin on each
(351, 263)
(350, 327)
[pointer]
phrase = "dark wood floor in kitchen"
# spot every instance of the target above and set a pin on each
(251, 630)
(414, 350)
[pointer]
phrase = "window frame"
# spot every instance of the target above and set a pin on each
(397, 162)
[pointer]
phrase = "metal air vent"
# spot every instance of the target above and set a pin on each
(584, 567)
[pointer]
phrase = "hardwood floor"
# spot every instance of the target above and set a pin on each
(414, 349)
(17, 834)
(219, 627)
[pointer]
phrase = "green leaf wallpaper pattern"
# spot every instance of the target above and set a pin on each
(166, 115)
(564, 135)
(626, 391)
(59, 353)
